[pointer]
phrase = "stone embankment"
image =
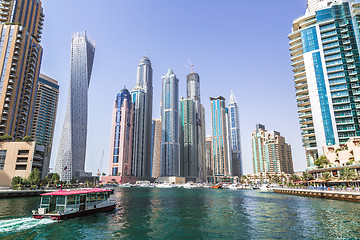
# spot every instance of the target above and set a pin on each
(21, 193)
(335, 195)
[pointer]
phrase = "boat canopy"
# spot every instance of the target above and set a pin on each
(76, 192)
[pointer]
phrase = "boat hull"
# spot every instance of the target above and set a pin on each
(76, 214)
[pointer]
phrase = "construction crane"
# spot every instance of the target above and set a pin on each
(191, 66)
(102, 157)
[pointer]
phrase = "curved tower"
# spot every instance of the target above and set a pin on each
(70, 162)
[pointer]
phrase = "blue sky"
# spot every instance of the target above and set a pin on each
(234, 44)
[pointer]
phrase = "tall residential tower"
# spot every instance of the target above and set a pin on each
(324, 48)
(142, 98)
(170, 146)
(21, 25)
(70, 162)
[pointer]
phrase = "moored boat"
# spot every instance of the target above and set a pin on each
(216, 186)
(66, 204)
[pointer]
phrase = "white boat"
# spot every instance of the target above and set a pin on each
(265, 188)
(164, 185)
(234, 187)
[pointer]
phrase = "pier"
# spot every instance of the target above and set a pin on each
(335, 195)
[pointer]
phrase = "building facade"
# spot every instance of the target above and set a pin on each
(170, 145)
(121, 138)
(324, 48)
(156, 148)
(19, 159)
(271, 153)
(221, 159)
(142, 98)
(21, 25)
(45, 108)
(234, 136)
(209, 172)
(70, 162)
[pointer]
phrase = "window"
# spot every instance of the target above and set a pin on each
(23, 152)
(20, 167)
(2, 159)
(22, 160)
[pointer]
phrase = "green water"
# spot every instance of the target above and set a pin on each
(151, 213)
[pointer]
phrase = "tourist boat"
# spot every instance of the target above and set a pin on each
(66, 204)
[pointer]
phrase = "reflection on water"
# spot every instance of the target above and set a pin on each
(151, 213)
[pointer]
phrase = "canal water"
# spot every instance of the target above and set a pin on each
(151, 213)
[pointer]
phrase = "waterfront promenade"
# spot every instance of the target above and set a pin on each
(345, 194)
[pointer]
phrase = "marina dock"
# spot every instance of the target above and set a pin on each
(335, 195)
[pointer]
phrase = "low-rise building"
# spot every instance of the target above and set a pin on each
(343, 154)
(19, 159)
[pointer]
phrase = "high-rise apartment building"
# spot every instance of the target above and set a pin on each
(324, 48)
(208, 159)
(121, 138)
(221, 156)
(271, 153)
(45, 108)
(70, 162)
(170, 146)
(142, 98)
(156, 148)
(21, 24)
(234, 136)
(192, 126)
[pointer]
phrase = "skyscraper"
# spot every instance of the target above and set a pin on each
(21, 53)
(170, 146)
(235, 138)
(70, 162)
(221, 158)
(142, 98)
(156, 148)
(121, 138)
(192, 137)
(324, 48)
(208, 159)
(45, 109)
(271, 153)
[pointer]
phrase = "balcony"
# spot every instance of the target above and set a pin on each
(11, 81)
(301, 91)
(6, 105)
(7, 99)
(8, 93)
(5, 112)
(9, 87)
(4, 118)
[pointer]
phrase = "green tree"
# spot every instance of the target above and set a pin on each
(35, 177)
(15, 181)
(307, 177)
(326, 176)
(27, 139)
(5, 138)
(55, 177)
(294, 178)
(348, 174)
(322, 161)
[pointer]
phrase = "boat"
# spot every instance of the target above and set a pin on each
(265, 188)
(65, 204)
(164, 185)
(216, 186)
(234, 187)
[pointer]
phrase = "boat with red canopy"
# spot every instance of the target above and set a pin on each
(66, 204)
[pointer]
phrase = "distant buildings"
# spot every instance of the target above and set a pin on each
(19, 159)
(121, 138)
(234, 136)
(21, 54)
(170, 146)
(270, 152)
(192, 131)
(324, 49)
(156, 148)
(45, 108)
(221, 160)
(142, 98)
(70, 162)
(209, 171)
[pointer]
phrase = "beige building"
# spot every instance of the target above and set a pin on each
(20, 59)
(343, 154)
(156, 148)
(18, 159)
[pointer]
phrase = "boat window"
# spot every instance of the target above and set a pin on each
(45, 200)
(71, 199)
(60, 200)
(93, 197)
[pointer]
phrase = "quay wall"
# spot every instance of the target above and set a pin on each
(20, 193)
(344, 196)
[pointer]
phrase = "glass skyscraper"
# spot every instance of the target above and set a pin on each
(170, 146)
(21, 24)
(324, 48)
(142, 98)
(121, 138)
(192, 131)
(221, 158)
(235, 138)
(70, 163)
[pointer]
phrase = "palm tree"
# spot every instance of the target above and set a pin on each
(348, 174)
(322, 161)
(326, 176)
